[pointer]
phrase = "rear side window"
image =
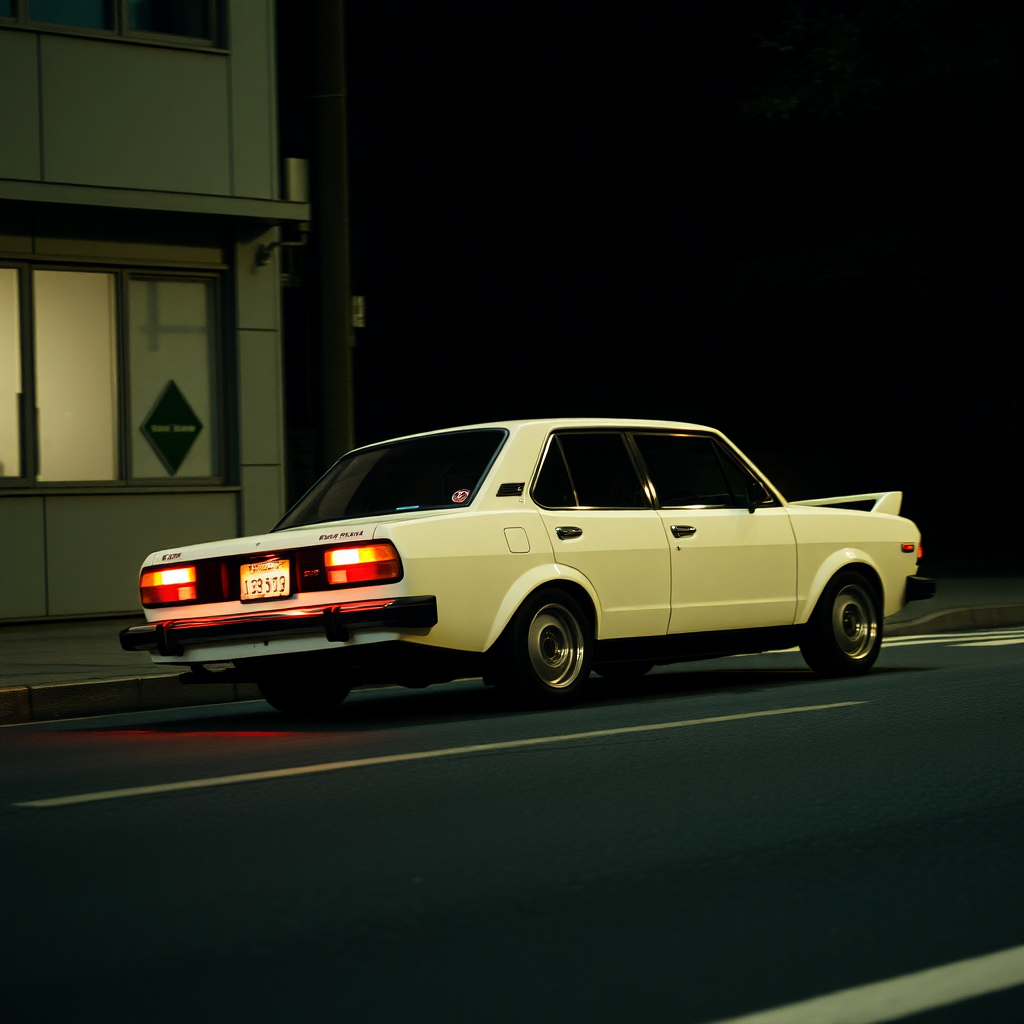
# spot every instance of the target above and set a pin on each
(589, 470)
(441, 471)
(686, 471)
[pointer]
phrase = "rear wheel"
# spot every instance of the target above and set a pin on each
(299, 684)
(844, 635)
(302, 698)
(545, 652)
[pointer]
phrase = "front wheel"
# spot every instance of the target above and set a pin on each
(844, 635)
(545, 652)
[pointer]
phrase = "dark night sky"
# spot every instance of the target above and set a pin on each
(578, 208)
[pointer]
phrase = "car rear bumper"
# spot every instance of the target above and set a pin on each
(332, 622)
(920, 588)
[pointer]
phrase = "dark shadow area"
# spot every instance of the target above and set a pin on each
(395, 707)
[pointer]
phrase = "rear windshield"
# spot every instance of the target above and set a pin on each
(441, 471)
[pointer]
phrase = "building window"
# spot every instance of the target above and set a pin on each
(171, 356)
(76, 375)
(171, 17)
(122, 370)
(184, 21)
(10, 374)
(76, 13)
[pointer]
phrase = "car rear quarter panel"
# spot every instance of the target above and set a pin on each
(829, 539)
(466, 563)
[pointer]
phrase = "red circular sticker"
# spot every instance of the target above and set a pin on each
(460, 495)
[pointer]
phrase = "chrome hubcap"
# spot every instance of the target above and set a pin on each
(555, 645)
(854, 622)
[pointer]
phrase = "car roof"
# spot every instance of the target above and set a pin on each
(560, 423)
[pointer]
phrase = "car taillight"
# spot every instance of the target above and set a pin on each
(362, 563)
(165, 586)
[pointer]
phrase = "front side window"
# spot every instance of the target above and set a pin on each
(436, 472)
(107, 375)
(589, 470)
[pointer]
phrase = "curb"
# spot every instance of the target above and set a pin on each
(49, 702)
(950, 619)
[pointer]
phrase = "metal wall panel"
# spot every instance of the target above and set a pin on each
(134, 116)
(22, 558)
(19, 106)
(253, 101)
(96, 543)
(137, 236)
(262, 498)
(257, 289)
(260, 388)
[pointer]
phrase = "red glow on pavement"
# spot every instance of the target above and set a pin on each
(195, 732)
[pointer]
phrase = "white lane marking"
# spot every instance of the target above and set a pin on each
(992, 643)
(899, 997)
(419, 755)
(937, 638)
(954, 641)
(992, 639)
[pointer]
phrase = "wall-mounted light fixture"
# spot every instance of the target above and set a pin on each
(265, 252)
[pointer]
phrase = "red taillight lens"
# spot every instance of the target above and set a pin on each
(907, 548)
(362, 563)
(165, 586)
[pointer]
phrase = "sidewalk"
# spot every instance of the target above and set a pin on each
(73, 669)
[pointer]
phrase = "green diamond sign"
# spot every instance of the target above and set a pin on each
(171, 427)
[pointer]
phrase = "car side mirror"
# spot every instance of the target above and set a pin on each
(756, 495)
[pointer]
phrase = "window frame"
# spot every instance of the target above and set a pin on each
(722, 450)
(121, 30)
(28, 480)
(722, 453)
(638, 468)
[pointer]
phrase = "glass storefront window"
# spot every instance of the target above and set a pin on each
(172, 370)
(108, 375)
(76, 368)
(10, 374)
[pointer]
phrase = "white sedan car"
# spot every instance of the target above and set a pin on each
(530, 552)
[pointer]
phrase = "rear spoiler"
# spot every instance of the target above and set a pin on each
(884, 501)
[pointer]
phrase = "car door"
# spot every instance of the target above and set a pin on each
(601, 522)
(732, 568)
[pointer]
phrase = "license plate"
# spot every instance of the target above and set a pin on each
(265, 579)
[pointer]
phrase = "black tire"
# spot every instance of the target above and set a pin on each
(299, 684)
(543, 656)
(302, 698)
(844, 634)
(617, 671)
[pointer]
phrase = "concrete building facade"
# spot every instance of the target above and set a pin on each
(141, 345)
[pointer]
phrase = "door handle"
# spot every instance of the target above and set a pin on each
(568, 532)
(683, 531)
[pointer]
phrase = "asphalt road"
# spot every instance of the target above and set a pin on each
(686, 873)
